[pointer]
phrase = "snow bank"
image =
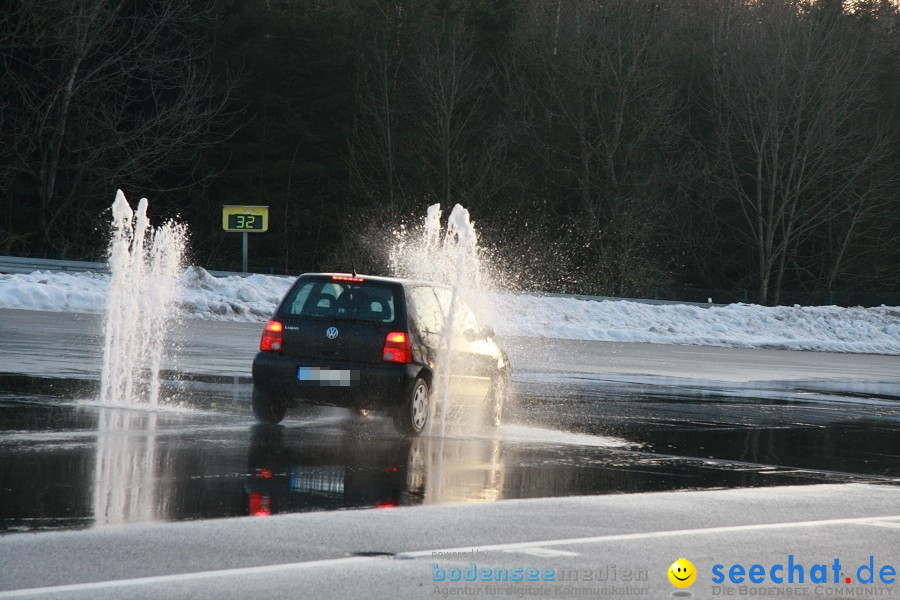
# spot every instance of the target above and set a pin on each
(234, 298)
(254, 298)
(823, 328)
(58, 292)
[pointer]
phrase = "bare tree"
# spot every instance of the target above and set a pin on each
(795, 149)
(453, 85)
(420, 131)
(608, 123)
(105, 93)
(380, 81)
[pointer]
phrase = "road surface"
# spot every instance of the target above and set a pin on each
(612, 461)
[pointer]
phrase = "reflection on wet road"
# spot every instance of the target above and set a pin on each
(69, 463)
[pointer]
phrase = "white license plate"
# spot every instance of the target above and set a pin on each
(328, 377)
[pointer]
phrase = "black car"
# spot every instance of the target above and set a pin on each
(371, 343)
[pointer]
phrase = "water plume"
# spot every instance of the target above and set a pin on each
(449, 256)
(145, 265)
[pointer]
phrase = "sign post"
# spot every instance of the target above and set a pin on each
(245, 219)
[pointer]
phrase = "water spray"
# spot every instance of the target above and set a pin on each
(449, 257)
(145, 265)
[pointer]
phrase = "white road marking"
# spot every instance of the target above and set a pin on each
(198, 575)
(887, 521)
(884, 523)
(543, 552)
(652, 535)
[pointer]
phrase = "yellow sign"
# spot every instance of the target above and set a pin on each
(245, 219)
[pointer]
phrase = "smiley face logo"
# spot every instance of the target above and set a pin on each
(682, 573)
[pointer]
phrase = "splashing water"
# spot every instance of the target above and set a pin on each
(450, 257)
(145, 264)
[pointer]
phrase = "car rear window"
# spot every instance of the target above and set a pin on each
(341, 300)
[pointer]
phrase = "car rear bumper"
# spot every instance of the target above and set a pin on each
(335, 383)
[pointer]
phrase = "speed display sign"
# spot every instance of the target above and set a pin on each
(245, 219)
(250, 219)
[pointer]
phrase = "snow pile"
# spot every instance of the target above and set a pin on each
(234, 298)
(823, 328)
(58, 292)
(254, 298)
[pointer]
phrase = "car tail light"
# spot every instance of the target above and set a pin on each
(347, 278)
(260, 504)
(397, 348)
(271, 337)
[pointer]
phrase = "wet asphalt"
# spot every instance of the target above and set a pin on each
(597, 419)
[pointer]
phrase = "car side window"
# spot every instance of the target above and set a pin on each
(465, 319)
(468, 322)
(444, 298)
(426, 310)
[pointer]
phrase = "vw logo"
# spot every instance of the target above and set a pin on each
(331, 333)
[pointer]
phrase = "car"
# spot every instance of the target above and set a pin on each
(372, 343)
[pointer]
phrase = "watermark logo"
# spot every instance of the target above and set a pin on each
(799, 579)
(797, 572)
(682, 573)
(520, 581)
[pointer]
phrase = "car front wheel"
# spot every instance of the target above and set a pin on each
(412, 416)
(268, 409)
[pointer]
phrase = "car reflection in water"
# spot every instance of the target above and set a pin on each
(297, 471)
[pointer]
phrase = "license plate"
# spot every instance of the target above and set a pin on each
(327, 377)
(323, 480)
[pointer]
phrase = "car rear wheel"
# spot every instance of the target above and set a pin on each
(268, 408)
(412, 416)
(493, 410)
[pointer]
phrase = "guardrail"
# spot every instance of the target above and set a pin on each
(617, 299)
(19, 264)
(24, 265)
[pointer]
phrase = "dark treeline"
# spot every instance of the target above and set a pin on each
(601, 146)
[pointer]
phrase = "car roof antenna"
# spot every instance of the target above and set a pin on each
(352, 268)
